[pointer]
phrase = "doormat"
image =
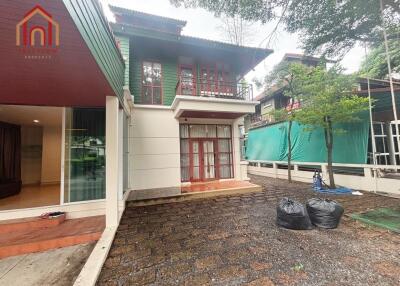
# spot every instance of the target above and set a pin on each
(387, 218)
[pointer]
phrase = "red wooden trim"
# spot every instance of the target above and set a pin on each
(190, 160)
(233, 153)
(201, 159)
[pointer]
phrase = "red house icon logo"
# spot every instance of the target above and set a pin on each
(49, 35)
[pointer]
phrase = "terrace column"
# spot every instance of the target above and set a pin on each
(236, 148)
(112, 156)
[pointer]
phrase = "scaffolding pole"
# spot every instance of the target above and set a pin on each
(375, 170)
(396, 123)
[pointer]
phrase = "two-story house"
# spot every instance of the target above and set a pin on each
(188, 101)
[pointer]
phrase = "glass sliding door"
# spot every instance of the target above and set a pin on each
(84, 165)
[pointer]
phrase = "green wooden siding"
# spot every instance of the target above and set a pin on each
(124, 46)
(94, 29)
(169, 77)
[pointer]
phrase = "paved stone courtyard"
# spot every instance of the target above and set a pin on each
(234, 241)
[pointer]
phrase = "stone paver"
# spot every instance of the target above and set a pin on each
(234, 241)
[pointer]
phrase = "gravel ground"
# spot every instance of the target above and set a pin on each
(234, 241)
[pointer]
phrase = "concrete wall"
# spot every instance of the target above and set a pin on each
(154, 151)
(51, 155)
(363, 182)
(154, 147)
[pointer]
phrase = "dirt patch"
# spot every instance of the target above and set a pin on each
(388, 268)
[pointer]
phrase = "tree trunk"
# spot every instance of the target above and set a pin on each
(328, 132)
(290, 152)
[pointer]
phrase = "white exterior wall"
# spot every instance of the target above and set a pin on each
(154, 156)
(236, 148)
(154, 147)
(112, 160)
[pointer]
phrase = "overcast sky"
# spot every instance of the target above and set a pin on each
(203, 24)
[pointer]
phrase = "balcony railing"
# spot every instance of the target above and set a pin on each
(217, 89)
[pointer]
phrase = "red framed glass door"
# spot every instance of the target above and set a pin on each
(206, 152)
(202, 160)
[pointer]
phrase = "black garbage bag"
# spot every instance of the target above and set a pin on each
(292, 215)
(324, 213)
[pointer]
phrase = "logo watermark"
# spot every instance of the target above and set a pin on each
(35, 40)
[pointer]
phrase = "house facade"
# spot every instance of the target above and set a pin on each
(188, 102)
(93, 111)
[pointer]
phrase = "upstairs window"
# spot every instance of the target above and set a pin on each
(151, 83)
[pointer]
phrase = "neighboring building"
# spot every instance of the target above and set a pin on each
(100, 116)
(387, 150)
(384, 131)
(273, 98)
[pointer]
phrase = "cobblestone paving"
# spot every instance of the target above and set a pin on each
(234, 241)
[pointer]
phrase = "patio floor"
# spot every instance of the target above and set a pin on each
(233, 240)
(32, 197)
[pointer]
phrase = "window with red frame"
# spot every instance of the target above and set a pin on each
(215, 79)
(151, 83)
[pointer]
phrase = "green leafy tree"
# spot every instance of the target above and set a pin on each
(328, 100)
(375, 64)
(330, 27)
(289, 77)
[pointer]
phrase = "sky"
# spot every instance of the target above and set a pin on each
(203, 24)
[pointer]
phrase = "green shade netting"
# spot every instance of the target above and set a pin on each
(383, 217)
(269, 143)
(383, 101)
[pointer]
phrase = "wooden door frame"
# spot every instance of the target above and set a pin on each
(201, 160)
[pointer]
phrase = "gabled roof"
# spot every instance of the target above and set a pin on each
(138, 14)
(158, 30)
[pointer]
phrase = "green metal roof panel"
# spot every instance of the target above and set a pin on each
(142, 32)
(95, 31)
(188, 40)
(128, 12)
